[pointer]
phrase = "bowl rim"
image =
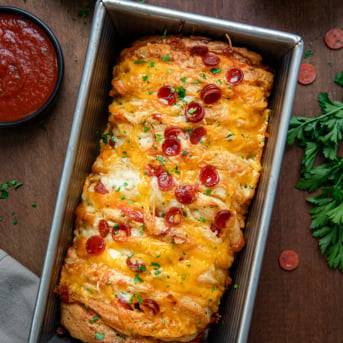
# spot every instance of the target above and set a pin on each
(60, 62)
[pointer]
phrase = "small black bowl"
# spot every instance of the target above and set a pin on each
(60, 63)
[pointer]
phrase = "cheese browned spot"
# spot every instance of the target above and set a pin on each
(145, 276)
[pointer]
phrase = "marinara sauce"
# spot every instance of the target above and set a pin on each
(28, 67)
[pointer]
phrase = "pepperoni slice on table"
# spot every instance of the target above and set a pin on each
(152, 305)
(167, 95)
(171, 146)
(121, 232)
(100, 188)
(221, 218)
(288, 260)
(173, 131)
(210, 94)
(234, 76)
(103, 228)
(210, 60)
(194, 112)
(209, 176)
(174, 216)
(197, 134)
(95, 245)
(165, 181)
(185, 194)
(307, 74)
(199, 50)
(334, 39)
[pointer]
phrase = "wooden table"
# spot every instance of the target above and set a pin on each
(305, 305)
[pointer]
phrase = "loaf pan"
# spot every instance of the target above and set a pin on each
(117, 23)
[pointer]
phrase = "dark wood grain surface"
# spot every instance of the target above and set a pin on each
(305, 305)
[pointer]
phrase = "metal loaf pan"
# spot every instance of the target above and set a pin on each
(117, 23)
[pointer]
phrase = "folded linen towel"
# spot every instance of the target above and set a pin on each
(18, 291)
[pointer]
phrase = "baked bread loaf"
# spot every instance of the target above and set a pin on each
(161, 215)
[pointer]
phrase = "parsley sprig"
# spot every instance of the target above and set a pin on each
(321, 135)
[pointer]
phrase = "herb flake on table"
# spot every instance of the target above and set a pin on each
(320, 136)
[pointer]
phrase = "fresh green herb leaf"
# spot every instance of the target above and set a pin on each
(99, 336)
(215, 70)
(321, 135)
(84, 12)
(181, 91)
(166, 58)
(308, 53)
(339, 78)
(139, 62)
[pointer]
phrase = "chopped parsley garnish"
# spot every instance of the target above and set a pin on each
(139, 62)
(203, 76)
(308, 53)
(166, 58)
(159, 158)
(137, 279)
(215, 70)
(4, 188)
(181, 91)
(183, 79)
(145, 77)
(99, 336)
(208, 191)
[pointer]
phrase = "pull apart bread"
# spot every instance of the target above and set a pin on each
(162, 213)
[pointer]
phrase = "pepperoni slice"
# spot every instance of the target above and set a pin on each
(334, 39)
(100, 188)
(307, 74)
(124, 304)
(199, 50)
(209, 176)
(151, 305)
(221, 218)
(165, 181)
(174, 216)
(65, 294)
(210, 60)
(171, 146)
(103, 228)
(216, 230)
(112, 142)
(133, 214)
(154, 170)
(167, 95)
(137, 266)
(288, 260)
(210, 94)
(173, 131)
(95, 245)
(234, 76)
(185, 194)
(194, 112)
(121, 232)
(197, 134)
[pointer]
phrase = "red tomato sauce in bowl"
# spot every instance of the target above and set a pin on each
(30, 66)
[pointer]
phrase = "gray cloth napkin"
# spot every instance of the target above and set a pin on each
(18, 291)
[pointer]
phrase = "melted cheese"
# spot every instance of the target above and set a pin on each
(187, 263)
